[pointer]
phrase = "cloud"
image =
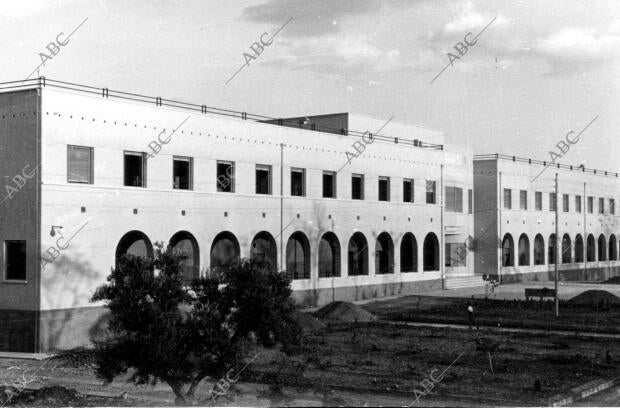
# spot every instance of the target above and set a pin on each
(581, 44)
(468, 19)
(312, 18)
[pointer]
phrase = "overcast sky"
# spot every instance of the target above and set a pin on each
(540, 70)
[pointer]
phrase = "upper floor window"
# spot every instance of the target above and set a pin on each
(565, 203)
(225, 176)
(15, 260)
(135, 169)
(470, 201)
(612, 206)
(578, 203)
(298, 182)
(408, 191)
(357, 186)
(182, 173)
(552, 201)
(590, 205)
(538, 201)
(329, 184)
(431, 192)
(384, 189)
(454, 199)
(601, 205)
(263, 179)
(523, 199)
(507, 198)
(80, 164)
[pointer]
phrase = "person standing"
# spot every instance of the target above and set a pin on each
(470, 316)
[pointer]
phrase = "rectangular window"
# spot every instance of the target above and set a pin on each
(80, 161)
(408, 190)
(431, 190)
(384, 189)
(523, 199)
(590, 205)
(182, 173)
(578, 204)
(470, 201)
(538, 201)
(454, 199)
(601, 206)
(15, 260)
(225, 177)
(298, 182)
(357, 186)
(456, 255)
(565, 205)
(263, 179)
(329, 184)
(612, 206)
(552, 202)
(507, 198)
(135, 169)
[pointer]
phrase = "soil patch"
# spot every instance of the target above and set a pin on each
(344, 312)
(308, 322)
(594, 297)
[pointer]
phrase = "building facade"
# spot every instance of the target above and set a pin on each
(515, 231)
(91, 174)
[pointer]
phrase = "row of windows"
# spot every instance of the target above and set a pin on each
(571, 253)
(80, 170)
(523, 202)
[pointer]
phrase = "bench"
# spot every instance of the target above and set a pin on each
(540, 293)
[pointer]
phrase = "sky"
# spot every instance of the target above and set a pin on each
(539, 70)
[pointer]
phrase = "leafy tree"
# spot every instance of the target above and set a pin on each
(165, 330)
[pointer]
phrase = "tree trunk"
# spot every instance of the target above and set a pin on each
(177, 389)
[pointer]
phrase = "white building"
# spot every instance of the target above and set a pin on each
(91, 174)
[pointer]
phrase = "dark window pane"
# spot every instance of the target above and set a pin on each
(263, 179)
(79, 164)
(134, 168)
(408, 191)
(15, 260)
(225, 177)
(329, 185)
(357, 187)
(182, 174)
(298, 183)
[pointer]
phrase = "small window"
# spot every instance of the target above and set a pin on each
(225, 177)
(263, 179)
(80, 164)
(578, 204)
(454, 199)
(431, 192)
(470, 201)
(523, 199)
(612, 206)
(15, 260)
(553, 201)
(507, 198)
(357, 186)
(329, 184)
(182, 173)
(601, 206)
(590, 205)
(408, 190)
(565, 204)
(384, 189)
(298, 182)
(538, 201)
(135, 169)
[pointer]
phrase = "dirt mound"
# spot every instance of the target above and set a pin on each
(590, 297)
(307, 322)
(344, 312)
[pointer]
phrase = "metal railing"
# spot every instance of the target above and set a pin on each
(204, 109)
(544, 163)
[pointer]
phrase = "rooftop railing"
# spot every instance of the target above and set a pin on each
(42, 82)
(581, 168)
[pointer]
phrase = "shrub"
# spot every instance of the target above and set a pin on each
(167, 331)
